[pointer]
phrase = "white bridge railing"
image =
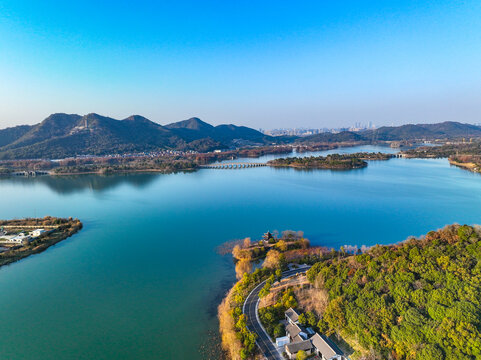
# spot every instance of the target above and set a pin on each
(232, 165)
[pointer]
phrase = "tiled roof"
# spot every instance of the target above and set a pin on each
(325, 346)
(292, 314)
(297, 346)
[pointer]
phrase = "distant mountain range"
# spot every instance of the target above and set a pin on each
(64, 135)
(445, 130)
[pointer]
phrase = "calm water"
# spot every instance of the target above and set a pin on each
(142, 280)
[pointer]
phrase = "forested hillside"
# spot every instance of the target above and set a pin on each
(64, 135)
(420, 299)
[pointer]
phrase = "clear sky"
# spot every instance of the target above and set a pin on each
(257, 63)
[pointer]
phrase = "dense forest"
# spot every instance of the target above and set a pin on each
(332, 161)
(445, 151)
(420, 299)
(466, 155)
(165, 164)
(66, 135)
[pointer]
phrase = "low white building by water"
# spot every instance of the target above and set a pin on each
(16, 239)
(37, 232)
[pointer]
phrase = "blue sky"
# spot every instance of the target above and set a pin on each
(257, 63)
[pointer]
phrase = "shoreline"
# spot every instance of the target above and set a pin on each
(122, 172)
(202, 159)
(301, 167)
(63, 229)
(321, 298)
(470, 166)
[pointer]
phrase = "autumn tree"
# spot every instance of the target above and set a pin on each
(273, 259)
(301, 355)
(281, 245)
(241, 254)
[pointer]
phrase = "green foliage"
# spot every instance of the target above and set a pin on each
(311, 319)
(270, 316)
(430, 352)
(301, 355)
(63, 135)
(302, 319)
(240, 291)
(420, 299)
(446, 150)
(267, 287)
(332, 161)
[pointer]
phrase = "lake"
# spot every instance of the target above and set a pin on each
(142, 280)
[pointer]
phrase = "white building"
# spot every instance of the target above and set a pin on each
(37, 232)
(16, 239)
(307, 340)
(281, 341)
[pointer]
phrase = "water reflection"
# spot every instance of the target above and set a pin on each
(71, 184)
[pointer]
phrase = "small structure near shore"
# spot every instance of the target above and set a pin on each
(307, 340)
(25, 237)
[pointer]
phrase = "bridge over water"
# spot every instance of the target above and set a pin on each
(238, 165)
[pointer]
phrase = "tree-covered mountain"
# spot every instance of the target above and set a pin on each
(445, 130)
(417, 300)
(195, 129)
(448, 129)
(11, 134)
(63, 135)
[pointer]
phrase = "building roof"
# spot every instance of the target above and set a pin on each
(325, 346)
(297, 346)
(292, 314)
(297, 330)
(293, 330)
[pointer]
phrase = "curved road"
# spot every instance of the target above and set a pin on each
(268, 348)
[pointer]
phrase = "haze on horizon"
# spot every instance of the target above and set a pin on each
(267, 64)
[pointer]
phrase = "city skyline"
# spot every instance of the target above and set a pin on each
(273, 65)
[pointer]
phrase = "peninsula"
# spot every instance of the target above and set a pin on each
(25, 237)
(409, 300)
(464, 154)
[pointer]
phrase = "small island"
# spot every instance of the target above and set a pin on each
(332, 161)
(20, 238)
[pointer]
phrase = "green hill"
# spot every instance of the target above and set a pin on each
(64, 135)
(448, 129)
(420, 299)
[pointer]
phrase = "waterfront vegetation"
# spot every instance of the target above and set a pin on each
(332, 161)
(464, 155)
(134, 164)
(164, 161)
(420, 299)
(445, 151)
(272, 315)
(469, 162)
(237, 340)
(276, 251)
(58, 229)
(102, 165)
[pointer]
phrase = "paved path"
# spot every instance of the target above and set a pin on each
(250, 308)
